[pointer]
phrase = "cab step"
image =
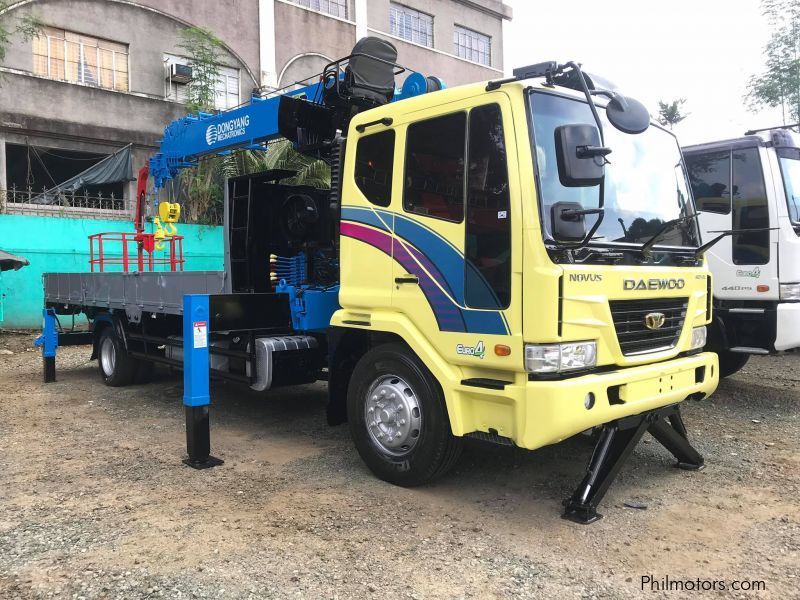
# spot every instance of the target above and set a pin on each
(748, 350)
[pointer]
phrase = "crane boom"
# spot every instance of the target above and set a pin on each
(191, 137)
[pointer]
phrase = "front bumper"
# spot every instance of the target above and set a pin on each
(787, 326)
(555, 410)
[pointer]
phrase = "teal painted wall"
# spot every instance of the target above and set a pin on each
(57, 244)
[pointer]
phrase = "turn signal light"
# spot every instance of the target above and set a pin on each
(501, 350)
(762, 288)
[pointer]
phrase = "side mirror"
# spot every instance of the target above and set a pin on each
(568, 221)
(627, 114)
(580, 157)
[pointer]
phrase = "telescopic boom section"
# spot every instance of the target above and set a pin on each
(190, 138)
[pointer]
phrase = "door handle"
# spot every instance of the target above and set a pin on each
(407, 278)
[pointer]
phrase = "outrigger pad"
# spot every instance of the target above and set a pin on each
(211, 461)
(616, 442)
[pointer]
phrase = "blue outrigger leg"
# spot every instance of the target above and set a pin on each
(196, 393)
(48, 342)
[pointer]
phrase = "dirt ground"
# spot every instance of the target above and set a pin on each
(95, 503)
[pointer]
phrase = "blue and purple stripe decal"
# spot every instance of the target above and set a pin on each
(438, 265)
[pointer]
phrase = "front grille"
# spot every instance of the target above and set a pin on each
(633, 335)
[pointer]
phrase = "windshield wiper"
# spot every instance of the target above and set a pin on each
(668, 226)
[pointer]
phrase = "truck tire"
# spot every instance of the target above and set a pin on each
(398, 419)
(731, 362)
(117, 367)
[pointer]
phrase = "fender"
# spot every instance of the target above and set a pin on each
(397, 324)
(111, 320)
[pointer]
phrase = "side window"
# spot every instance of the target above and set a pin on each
(374, 162)
(434, 175)
(488, 228)
(750, 209)
(710, 175)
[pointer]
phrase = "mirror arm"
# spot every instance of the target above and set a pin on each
(601, 192)
(589, 100)
(592, 151)
(574, 215)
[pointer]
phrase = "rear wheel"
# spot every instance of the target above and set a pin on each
(731, 362)
(398, 418)
(117, 367)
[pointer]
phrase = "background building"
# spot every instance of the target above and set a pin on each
(98, 78)
(98, 82)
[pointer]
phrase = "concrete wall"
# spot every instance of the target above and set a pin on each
(300, 31)
(53, 244)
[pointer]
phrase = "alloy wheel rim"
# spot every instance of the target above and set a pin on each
(393, 415)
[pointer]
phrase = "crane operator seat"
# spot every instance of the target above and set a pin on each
(367, 81)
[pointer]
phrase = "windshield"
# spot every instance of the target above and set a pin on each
(645, 181)
(790, 167)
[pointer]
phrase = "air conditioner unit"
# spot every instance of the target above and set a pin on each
(180, 73)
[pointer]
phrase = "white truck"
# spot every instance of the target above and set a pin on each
(749, 188)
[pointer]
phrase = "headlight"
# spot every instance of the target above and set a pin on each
(790, 292)
(698, 337)
(554, 358)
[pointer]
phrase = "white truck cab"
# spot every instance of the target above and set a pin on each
(750, 186)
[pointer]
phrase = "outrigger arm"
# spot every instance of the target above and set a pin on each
(615, 444)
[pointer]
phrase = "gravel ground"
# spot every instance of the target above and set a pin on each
(95, 503)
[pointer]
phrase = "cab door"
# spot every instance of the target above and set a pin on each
(457, 265)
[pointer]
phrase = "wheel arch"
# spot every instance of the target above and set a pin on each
(102, 321)
(346, 346)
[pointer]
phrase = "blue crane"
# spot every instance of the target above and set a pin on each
(344, 84)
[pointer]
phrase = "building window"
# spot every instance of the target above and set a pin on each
(337, 8)
(472, 45)
(410, 24)
(226, 88)
(77, 58)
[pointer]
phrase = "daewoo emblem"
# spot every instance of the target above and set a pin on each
(654, 320)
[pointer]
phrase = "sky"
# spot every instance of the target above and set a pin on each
(701, 50)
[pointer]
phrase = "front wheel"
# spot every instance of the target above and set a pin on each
(398, 419)
(731, 362)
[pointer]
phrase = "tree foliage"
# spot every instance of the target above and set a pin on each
(779, 84)
(204, 50)
(27, 26)
(202, 188)
(671, 113)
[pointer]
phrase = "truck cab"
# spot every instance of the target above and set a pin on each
(453, 259)
(750, 186)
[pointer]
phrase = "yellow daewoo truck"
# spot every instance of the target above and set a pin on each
(516, 261)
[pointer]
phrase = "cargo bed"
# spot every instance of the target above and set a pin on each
(135, 293)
